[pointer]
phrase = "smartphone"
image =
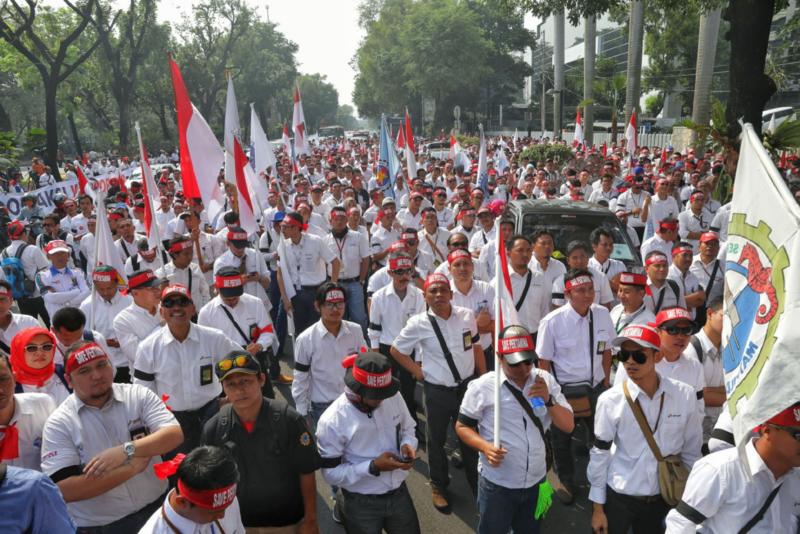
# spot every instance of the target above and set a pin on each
(404, 459)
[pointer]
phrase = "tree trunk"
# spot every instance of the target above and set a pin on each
(751, 88)
(73, 128)
(124, 104)
(51, 125)
(558, 72)
(589, 36)
(5, 120)
(635, 38)
(706, 51)
(162, 119)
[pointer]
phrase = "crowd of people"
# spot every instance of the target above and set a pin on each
(149, 399)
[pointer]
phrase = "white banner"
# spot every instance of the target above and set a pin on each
(13, 201)
(761, 339)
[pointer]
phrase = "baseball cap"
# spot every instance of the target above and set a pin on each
(229, 283)
(641, 334)
(235, 362)
(705, 237)
(144, 278)
(673, 315)
(56, 245)
(16, 228)
(516, 345)
(237, 237)
(369, 374)
(386, 201)
(175, 289)
(633, 279)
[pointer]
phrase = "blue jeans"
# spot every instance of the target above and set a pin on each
(356, 307)
(502, 509)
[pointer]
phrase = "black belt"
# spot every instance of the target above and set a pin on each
(448, 388)
(378, 495)
(349, 280)
(646, 498)
(310, 288)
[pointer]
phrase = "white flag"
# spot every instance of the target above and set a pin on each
(105, 253)
(262, 155)
(151, 195)
(231, 131)
(760, 337)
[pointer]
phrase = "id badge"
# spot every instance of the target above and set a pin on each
(467, 340)
(206, 374)
(138, 432)
(601, 347)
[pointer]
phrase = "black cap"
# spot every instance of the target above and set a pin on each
(237, 361)
(369, 374)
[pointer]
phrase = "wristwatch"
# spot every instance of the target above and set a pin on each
(373, 469)
(129, 449)
(550, 403)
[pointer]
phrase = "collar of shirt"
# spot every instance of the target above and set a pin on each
(169, 338)
(635, 391)
(181, 523)
(55, 271)
(575, 317)
(321, 331)
(20, 408)
(116, 396)
(705, 343)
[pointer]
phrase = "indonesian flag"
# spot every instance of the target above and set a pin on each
(455, 147)
(287, 143)
(604, 149)
(578, 138)
(150, 196)
(630, 135)
(247, 218)
(506, 311)
(201, 155)
(401, 138)
(299, 124)
(411, 162)
(231, 131)
(82, 181)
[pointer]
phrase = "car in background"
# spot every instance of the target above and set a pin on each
(326, 132)
(437, 149)
(156, 168)
(568, 221)
(359, 135)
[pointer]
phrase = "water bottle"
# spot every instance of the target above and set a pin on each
(539, 409)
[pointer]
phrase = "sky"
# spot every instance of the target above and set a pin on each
(326, 33)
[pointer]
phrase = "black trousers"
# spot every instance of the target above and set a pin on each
(441, 410)
(192, 423)
(34, 306)
(128, 524)
(123, 375)
(562, 442)
(640, 515)
(408, 385)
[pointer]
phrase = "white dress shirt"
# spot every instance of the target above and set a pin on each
(628, 466)
(18, 322)
(610, 268)
(524, 464)
(381, 240)
(459, 331)
(686, 370)
(434, 244)
(537, 300)
(622, 319)
(564, 340)
(318, 355)
(672, 293)
(104, 321)
(351, 250)
(703, 274)
(75, 433)
(656, 243)
(602, 289)
(729, 488)
(184, 370)
(480, 238)
(61, 288)
(127, 249)
(230, 523)
(253, 263)
(688, 283)
(307, 261)
(357, 438)
(480, 297)
(689, 222)
(713, 374)
(132, 326)
(31, 411)
(249, 314)
(410, 220)
(192, 278)
(388, 314)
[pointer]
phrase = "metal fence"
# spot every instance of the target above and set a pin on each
(644, 139)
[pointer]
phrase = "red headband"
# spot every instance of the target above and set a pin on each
(655, 259)
(633, 279)
(291, 221)
(210, 499)
(395, 264)
(788, 417)
(237, 236)
(140, 279)
(513, 344)
(99, 276)
(578, 281)
(334, 295)
(407, 236)
(436, 278)
(84, 355)
(668, 226)
(227, 281)
(464, 213)
(457, 254)
(681, 250)
(182, 245)
(372, 380)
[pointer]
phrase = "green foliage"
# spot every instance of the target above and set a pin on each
(9, 153)
(559, 153)
(653, 104)
(467, 140)
(320, 100)
(35, 140)
(785, 137)
(345, 117)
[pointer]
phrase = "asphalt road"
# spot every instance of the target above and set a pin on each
(463, 519)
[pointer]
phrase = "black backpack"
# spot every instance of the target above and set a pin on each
(277, 423)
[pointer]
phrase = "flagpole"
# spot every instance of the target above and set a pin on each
(498, 312)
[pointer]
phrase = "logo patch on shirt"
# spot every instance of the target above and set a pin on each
(305, 439)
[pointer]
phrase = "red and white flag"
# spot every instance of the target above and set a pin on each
(630, 135)
(82, 181)
(577, 139)
(201, 155)
(287, 143)
(401, 138)
(247, 214)
(299, 124)
(231, 131)
(410, 150)
(455, 147)
(150, 197)
(505, 311)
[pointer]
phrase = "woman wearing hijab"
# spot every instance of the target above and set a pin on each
(33, 366)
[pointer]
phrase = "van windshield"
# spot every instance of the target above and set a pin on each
(567, 227)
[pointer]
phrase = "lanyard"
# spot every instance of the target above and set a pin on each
(340, 247)
(629, 321)
(658, 418)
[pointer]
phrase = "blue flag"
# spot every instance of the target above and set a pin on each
(387, 172)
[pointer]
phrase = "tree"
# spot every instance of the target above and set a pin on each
(706, 51)
(49, 40)
(589, 35)
(125, 48)
(635, 36)
(345, 118)
(320, 100)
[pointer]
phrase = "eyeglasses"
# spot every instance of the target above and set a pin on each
(526, 363)
(792, 431)
(181, 302)
(679, 330)
(402, 272)
(229, 363)
(44, 347)
(638, 356)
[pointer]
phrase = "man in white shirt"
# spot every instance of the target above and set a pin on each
(574, 345)
(383, 232)
(663, 240)
(708, 267)
(411, 217)
(694, 221)
(661, 292)
(181, 270)
(240, 256)
(510, 475)
(11, 323)
(126, 244)
(367, 443)
(527, 286)
(445, 340)
(632, 202)
(176, 362)
(134, 323)
(105, 304)
(603, 246)
(663, 205)
(578, 258)
(205, 498)
(33, 260)
(99, 446)
(433, 238)
(624, 483)
(319, 351)
(679, 272)
(631, 308)
(484, 234)
(60, 285)
(755, 491)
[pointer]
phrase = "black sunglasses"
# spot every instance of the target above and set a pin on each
(181, 302)
(679, 330)
(638, 356)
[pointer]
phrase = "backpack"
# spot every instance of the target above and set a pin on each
(14, 272)
(278, 427)
(698, 348)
